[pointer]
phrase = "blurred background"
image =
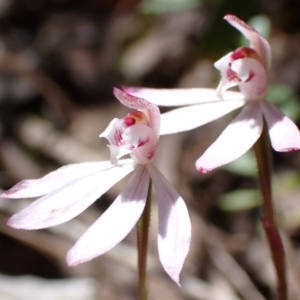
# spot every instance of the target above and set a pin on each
(59, 60)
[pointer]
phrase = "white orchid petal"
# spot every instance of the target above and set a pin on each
(115, 223)
(284, 134)
(235, 140)
(37, 187)
(178, 97)
(190, 117)
(257, 42)
(69, 200)
(174, 234)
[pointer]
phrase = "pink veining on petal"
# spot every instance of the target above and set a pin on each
(113, 132)
(231, 76)
(251, 75)
(129, 146)
(151, 154)
(143, 142)
(117, 140)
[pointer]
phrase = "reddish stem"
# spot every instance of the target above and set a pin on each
(262, 150)
(142, 245)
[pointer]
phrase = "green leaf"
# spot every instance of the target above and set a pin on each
(279, 93)
(285, 98)
(244, 165)
(239, 200)
(163, 6)
(286, 182)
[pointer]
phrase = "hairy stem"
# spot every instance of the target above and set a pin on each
(142, 244)
(263, 155)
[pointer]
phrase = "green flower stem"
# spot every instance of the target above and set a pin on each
(263, 154)
(142, 244)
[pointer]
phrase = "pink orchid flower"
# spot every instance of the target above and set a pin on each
(247, 68)
(71, 189)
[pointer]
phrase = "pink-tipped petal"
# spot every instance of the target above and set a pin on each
(284, 134)
(190, 117)
(135, 102)
(115, 223)
(235, 140)
(257, 42)
(68, 201)
(52, 181)
(177, 97)
(174, 233)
